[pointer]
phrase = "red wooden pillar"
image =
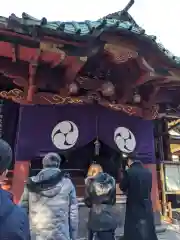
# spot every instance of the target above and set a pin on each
(21, 173)
(154, 192)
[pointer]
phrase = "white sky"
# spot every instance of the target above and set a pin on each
(157, 17)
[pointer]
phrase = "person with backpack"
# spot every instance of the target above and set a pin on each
(100, 197)
(50, 200)
(14, 223)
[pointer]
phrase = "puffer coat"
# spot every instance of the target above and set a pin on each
(14, 224)
(50, 199)
(100, 197)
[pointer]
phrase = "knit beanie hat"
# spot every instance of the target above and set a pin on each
(51, 160)
(5, 156)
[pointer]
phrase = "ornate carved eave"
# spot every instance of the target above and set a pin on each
(18, 96)
(86, 60)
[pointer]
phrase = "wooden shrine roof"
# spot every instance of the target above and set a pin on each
(28, 31)
(111, 61)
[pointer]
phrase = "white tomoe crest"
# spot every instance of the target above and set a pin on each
(65, 135)
(124, 139)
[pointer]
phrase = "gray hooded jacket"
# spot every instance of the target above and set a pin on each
(50, 199)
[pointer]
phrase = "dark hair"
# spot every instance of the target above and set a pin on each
(51, 160)
(133, 156)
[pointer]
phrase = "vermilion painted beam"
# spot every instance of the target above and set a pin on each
(154, 192)
(20, 71)
(31, 92)
(20, 175)
(44, 38)
(144, 65)
(14, 52)
(32, 75)
(61, 41)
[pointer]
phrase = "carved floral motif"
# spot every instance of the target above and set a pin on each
(51, 47)
(120, 54)
(13, 94)
(18, 95)
(57, 99)
(151, 113)
(126, 108)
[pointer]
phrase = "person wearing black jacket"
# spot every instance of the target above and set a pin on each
(136, 182)
(100, 197)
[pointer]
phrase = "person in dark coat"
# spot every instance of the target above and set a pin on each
(14, 223)
(100, 197)
(136, 182)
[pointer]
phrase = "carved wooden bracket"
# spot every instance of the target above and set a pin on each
(32, 74)
(118, 40)
(128, 92)
(148, 76)
(152, 98)
(119, 54)
(15, 49)
(148, 72)
(144, 65)
(73, 66)
(151, 113)
(18, 95)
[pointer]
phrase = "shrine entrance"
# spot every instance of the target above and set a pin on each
(77, 163)
(80, 134)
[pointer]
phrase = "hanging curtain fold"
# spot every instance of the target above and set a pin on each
(86, 123)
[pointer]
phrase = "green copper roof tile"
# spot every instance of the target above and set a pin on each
(117, 22)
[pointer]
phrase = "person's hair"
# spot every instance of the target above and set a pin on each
(51, 160)
(94, 169)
